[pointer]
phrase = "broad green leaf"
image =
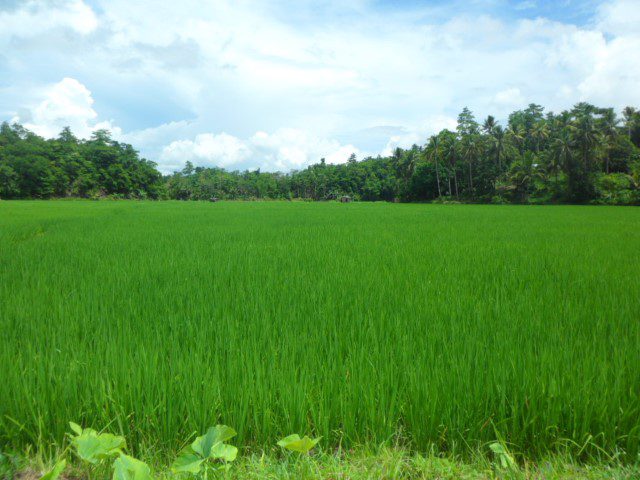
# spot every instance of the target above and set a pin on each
(92, 446)
(76, 428)
(55, 472)
(218, 434)
(506, 460)
(225, 452)
(129, 468)
(297, 444)
(187, 462)
(287, 440)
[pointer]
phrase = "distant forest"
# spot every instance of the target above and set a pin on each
(584, 155)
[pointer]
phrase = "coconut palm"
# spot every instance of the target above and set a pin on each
(523, 172)
(585, 137)
(518, 136)
(539, 133)
(470, 152)
(609, 132)
(561, 151)
(499, 138)
(434, 152)
(628, 113)
(489, 125)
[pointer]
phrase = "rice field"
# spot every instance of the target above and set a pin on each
(430, 326)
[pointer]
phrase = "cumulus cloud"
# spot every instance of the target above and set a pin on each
(35, 17)
(290, 148)
(406, 138)
(67, 103)
(510, 96)
(169, 72)
(283, 150)
(619, 17)
(206, 149)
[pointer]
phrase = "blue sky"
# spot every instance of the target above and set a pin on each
(277, 85)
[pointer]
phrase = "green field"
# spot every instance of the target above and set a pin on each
(441, 326)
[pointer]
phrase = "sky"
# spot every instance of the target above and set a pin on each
(277, 85)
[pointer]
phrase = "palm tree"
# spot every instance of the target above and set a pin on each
(451, 152)
(561, 151)
(498, 137)
(523, 173)
(433, 147)
(518, 136)
(470, 152)
(609, 129)
(539, 133)
(628, 113)
(585, 137)
(489, 124)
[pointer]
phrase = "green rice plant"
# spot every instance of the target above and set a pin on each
(369, 324)
(207, 453)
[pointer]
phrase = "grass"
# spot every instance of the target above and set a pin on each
(366, 464)
(426, 326)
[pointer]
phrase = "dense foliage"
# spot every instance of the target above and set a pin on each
(583, 155)
(32, 167)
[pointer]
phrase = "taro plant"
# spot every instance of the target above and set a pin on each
(207, 453)
(129, 468)
(94, 447)
(503, 455)
(297, 444)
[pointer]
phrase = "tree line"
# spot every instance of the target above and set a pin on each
(583, 155)
(32, 167)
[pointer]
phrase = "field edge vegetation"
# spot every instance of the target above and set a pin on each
(384, 462)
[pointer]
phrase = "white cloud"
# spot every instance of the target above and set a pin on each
(170, 71)
(290, 148)
(283, 150)
(66, 103)
(509, 97)
(619, 17)
(35, 17)
(419, 136)
(207, 149)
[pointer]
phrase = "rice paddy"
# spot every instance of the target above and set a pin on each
(430, 326)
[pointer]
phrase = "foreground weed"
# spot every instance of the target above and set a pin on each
(504, 457)
(94, 447)
(129, 468)
(296, 444)
(208, 453)
(55, 472)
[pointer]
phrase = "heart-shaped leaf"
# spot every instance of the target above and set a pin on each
(92, 446)
(55, 472)
(188, 462)
(218, 434)
(297, 444)
(225, 452)
(76, 428)
(506, 459)
(129, 468)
